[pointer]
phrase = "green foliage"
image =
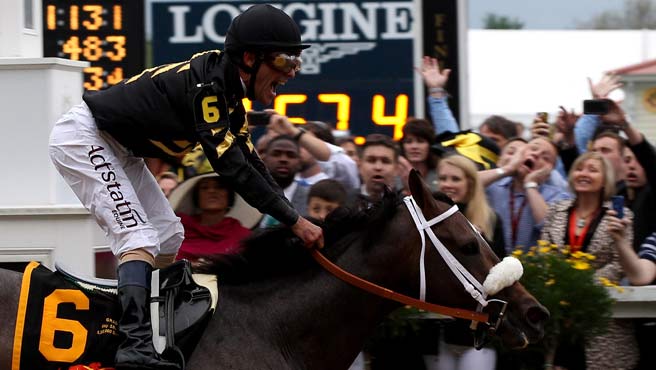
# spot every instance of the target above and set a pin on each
(580, 307)
(636, 15)
(501, 22)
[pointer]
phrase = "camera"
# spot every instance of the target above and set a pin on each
(596, 106)
(258, 118)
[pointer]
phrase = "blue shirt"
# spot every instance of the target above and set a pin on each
(528, 231)
(584, 131)
(443, 119)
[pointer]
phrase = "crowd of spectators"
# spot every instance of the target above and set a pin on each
(551, 182)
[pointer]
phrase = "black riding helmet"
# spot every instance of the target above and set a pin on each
(262, 28)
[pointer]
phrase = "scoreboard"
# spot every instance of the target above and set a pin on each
(107, 33)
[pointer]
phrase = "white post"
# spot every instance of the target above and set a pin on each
(40, 217)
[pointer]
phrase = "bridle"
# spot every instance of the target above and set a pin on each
(469, 282)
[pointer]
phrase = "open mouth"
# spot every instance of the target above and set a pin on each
(529, 163)
(275, 85)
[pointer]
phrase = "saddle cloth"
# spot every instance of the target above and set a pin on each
(60, 326)
(68, 322)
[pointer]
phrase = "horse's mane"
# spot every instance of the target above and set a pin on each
(278, 252)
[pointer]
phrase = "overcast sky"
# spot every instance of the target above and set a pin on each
(550, 14)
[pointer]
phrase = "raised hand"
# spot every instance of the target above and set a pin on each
(615, 115)
(430, 72)
(565, 121)
(540, 128)
(540, 176)
(608, 83)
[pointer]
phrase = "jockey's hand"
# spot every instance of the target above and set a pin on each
(311, 234)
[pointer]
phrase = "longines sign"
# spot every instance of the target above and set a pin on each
(358, 74)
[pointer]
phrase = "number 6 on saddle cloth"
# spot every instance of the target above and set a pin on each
(65, 319)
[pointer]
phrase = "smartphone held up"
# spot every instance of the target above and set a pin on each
(618, 205)
(596, 106)
(258, 118)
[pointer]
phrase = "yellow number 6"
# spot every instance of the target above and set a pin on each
(51, 323)
(210, 113)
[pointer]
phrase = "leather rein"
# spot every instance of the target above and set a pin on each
(478, 315)
(392, 295)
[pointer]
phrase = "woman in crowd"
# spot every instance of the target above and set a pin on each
(203, 203)
(583, 224)
(418, 136)
(458, 178)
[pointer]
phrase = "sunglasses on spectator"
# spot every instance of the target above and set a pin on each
(283, 62)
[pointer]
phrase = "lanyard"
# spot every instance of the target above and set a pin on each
(514, 218)
(576, 242)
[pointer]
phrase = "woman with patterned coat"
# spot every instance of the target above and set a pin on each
(582, 224)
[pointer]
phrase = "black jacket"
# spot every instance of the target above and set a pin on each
(644, 203)
(165, 111)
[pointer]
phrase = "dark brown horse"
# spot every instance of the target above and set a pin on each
(278, 309)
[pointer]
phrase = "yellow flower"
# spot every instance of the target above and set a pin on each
(550, 282)
(564, 303)
(530, 254)
(517, 252)
(545, 249)
(543, 243)
(580, 265)
(611, 284)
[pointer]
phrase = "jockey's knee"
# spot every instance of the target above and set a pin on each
(163, 260)
(138, 254)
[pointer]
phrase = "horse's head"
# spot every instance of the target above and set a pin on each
(524, 316)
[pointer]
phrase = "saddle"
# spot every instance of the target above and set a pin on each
(181, 305)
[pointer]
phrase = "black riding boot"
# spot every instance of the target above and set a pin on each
(137, 351)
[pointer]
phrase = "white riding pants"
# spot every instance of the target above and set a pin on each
(115, 186)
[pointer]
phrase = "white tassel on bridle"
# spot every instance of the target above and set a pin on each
(501, 276)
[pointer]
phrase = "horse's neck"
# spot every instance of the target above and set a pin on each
(315, 321)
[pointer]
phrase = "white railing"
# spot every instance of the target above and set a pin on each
(639, 301)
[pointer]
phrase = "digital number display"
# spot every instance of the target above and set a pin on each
(392, 114)
(107, 33)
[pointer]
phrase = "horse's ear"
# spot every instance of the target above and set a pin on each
(418, 188)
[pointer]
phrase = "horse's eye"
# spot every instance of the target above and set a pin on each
(471, 247)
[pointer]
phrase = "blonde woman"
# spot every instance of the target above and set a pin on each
(584, 224)
(458, 178)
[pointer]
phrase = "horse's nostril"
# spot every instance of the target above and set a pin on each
(537, 314)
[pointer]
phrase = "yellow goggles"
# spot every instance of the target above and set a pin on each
(284, 63)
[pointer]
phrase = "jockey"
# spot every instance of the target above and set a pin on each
(164, 112)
